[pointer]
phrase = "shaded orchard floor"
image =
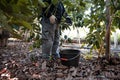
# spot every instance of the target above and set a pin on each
(19, 62)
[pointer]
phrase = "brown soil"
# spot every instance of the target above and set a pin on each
(19, 62)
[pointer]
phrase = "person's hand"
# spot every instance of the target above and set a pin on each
(52, 19)
(68, 21)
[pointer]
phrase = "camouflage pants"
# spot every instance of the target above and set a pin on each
(50, 38)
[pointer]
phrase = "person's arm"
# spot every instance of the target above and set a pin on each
(47, 11)
(68, 19)
(65, 15)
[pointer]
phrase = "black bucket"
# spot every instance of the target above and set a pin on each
(70, 57)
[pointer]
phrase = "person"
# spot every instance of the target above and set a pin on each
(51, 18)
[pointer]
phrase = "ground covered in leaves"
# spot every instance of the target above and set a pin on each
(19, 62)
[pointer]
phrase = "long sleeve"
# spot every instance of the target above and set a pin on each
(59, 11)
(47, 11)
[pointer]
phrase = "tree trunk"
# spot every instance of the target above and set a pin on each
(108, 24)
(4, 35)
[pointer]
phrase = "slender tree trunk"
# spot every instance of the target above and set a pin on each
(108, 24)
(4, 35)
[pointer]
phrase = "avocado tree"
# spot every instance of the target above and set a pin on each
(17, 14)
(101, 21)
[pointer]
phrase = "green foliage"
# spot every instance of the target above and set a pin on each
(54, 2)
(116, 19)
(21, 13)
(41, 3)
(78, 20)
(96, 22)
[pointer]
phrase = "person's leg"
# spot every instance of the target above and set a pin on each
(55, 47)
(47, 38)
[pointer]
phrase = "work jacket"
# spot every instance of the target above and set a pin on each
(56, 10)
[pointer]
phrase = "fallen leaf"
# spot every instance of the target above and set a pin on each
(3, 71)
(59, 75)
(43, 65)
